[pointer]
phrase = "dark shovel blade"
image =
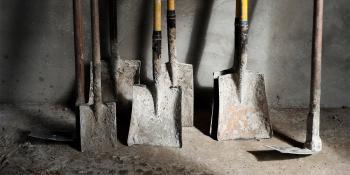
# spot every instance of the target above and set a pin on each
(98, 133)
(245, 118)
(292, 150)
(185, 81)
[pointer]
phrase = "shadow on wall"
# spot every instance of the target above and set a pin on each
(33, 50)
(15, 44)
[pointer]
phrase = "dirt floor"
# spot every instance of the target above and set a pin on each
(200, 154)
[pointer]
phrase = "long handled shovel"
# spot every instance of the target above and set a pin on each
(126, 73)
(156, 111)
(181, 74)
(97, 122)
(240, 111)
(313, 142)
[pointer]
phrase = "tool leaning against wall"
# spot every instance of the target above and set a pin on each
(181, 74)
(240, 108)
(313, 142)
(156, 111)
(98, 130)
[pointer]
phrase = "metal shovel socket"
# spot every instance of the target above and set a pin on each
(97, 122)
(240, 108)
(181, 74)
(313, 142)
(156, 111)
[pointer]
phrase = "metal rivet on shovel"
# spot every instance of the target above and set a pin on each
(97, 122)
(313, 142)
(156, 111)
(181, 74)
(240, 108)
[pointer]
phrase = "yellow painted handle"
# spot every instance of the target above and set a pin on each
(171, 5)
(157, 15)
(242, 9)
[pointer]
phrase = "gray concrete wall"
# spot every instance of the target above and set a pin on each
(37, 58)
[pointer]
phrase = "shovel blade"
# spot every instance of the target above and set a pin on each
(98, 133)
(118, 86)
(241, 118)
(161, 127)
(185, 81)
(126, 74)
(292, 150)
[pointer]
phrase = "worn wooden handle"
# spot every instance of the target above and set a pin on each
(79, 51)
(171, 5)
(242, 9)
(157, 15)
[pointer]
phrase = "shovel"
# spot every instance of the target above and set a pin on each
(98, 121)
(126, 73)
(156, 111)
(79, 48)
(240, 109)
(181, 74)
(313, 142)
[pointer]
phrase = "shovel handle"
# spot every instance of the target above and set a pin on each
(79, 51)
(96, 53)
(313, 140)
(241, 36)
(171, 26)
(114, 28)
(157, 39)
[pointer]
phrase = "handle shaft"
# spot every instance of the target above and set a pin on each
(157, 39)
(79, 51)
(96, 54)
(313, 140)
(114, 29)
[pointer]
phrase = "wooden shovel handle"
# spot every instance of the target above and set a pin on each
(157, 39)
(96, 53)
(313, 140)
(79, 52)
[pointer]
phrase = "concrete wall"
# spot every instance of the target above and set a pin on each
(37, 58)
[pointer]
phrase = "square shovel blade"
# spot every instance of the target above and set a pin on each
(156, 114)
(184, 73)
(245, 118)
(98, 133)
